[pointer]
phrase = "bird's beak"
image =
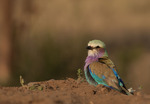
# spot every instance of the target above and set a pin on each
(89, 47)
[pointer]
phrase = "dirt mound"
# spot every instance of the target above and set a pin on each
(68, 91)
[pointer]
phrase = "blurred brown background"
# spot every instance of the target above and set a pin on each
(44, 39)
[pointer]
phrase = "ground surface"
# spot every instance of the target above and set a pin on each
(68, 91)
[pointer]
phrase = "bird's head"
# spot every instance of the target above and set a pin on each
(97, 48)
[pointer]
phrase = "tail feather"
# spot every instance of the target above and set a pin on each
(125, 91)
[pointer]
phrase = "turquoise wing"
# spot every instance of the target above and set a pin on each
(102, 74)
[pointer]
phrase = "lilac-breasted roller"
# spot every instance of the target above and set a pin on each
(99, 69)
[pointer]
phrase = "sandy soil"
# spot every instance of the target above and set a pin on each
(68, 91)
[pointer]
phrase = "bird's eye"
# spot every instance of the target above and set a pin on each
(97, 47)
(89, 48)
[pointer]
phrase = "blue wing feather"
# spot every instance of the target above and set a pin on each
(101, 80)
(119, 79)
(98, 79)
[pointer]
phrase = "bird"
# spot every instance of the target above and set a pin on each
(99, 69)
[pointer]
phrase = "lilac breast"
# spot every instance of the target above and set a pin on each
(90, 59)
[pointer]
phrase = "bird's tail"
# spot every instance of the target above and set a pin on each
(125, 91)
